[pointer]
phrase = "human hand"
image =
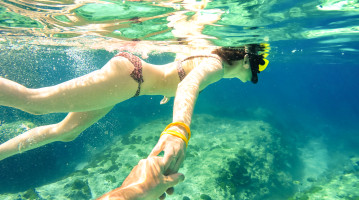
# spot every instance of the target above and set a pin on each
(146, 182)
(173, 146)
(174, 152)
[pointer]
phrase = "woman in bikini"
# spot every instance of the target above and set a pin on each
(90, 97)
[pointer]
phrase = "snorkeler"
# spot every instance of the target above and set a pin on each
(91, 97)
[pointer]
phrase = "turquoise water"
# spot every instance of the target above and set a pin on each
(293, 135)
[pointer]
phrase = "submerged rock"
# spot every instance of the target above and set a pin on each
(31, 194)
(205, 197)
(79, 189)
(342, 183)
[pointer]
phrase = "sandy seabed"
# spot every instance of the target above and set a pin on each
(226, 159)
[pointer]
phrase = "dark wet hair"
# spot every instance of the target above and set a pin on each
(232, 54)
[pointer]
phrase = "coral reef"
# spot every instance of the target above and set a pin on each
(78, 189)
(31, 194)
(226, 159)
(334, 184)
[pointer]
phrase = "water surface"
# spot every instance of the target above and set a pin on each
(308, 92)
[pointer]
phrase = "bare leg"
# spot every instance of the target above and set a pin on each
(12, 93)
(100, 89)
(67, 130)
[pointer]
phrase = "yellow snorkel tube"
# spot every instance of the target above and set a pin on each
(266, 48)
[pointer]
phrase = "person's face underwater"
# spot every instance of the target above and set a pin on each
(240, 69)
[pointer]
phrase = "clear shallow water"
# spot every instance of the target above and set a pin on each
(308, 92)
(88, 22)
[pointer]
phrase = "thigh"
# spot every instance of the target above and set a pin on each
(102, 88)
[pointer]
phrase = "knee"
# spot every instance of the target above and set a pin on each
(35, 112)
(67, 139)
(33, 103)
(69, 136)
(72, 126)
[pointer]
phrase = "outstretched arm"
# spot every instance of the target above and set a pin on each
(67, 130)
(207, 72)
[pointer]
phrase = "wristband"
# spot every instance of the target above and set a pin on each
(177, 134)
(180, 124)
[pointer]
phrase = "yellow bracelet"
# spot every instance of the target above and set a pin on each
(180, 124)
(177, 134)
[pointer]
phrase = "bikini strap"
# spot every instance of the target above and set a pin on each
(180, 70)
(209, 56)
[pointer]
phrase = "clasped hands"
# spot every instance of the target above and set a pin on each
(155, 176)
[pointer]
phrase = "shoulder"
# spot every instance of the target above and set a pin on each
(209, 62)
(206, 68)
(215, 61)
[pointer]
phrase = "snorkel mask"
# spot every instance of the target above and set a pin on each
(257, 54)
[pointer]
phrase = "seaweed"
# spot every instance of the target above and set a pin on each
(314, 189)
(237, 175)
(252, 174)
(110, 178)
(79, 189)
(113, 167)
(141, 153)
(31, 194)
(352, 198)
(205, 197)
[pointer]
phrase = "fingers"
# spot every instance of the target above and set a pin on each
(170, 190)
(173, 160)
(169, 159)
(157, 149)
(163, 196)
(178, 164)
(173, 179)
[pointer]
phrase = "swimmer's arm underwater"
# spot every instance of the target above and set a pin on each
(200, 77)
(174, 147)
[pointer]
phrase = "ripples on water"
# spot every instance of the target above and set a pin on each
(89, 22)
(329, 28)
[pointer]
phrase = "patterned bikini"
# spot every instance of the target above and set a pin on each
(136, 74)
